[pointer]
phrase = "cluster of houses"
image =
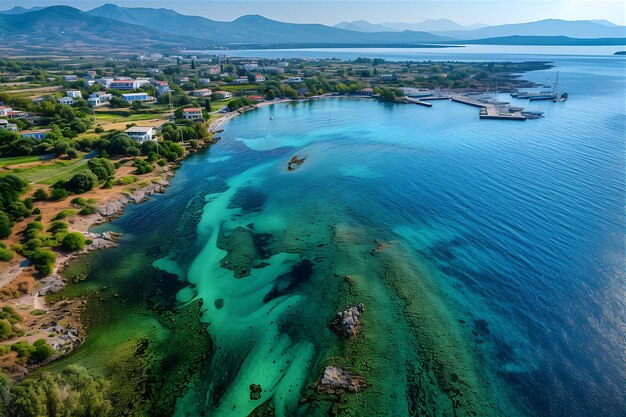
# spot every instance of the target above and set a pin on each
(5, 124)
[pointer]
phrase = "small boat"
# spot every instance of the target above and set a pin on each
(271, 117)
(532, 114)
(542, 96)
(562, 98)
(514, 109)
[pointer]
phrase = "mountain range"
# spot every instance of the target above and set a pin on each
(429, 25)
(546, 27)
(122, 29)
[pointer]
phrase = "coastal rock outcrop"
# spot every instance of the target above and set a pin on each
(347, 322)
(113, 208)
(336, 381)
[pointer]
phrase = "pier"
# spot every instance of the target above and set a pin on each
(419, 102)
(490, 111)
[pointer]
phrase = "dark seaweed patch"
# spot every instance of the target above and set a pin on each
(299, 274)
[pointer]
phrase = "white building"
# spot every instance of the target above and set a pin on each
(70, 78)
(224, 94)
(5, 110)
(101, 95)
(66, 100)
(95, 102)
(128, 84)
(214, 70)
(192, 113)
(204, 92)
(259, 78)
(137, 97)
(74, 94)
(241, 80)
(204, 81)
(141, 133)
(294, 80)
(4, 124)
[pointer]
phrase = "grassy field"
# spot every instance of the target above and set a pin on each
(15, 160)
(47, 173)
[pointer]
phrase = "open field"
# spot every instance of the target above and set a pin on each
(49, 172)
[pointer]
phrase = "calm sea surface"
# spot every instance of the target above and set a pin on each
(517, 227)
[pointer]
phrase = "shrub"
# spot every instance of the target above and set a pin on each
(99, 130)
(57, 226)
(126, 180)
(58, 194)
(42, 351)
(81, 182)
(5, 225)
(73, 242)
(72, 153)
(87, 210)
(36, 210)
(143, 167)
(43, 260)
(78, 201)
(5, 255)
(101, 168)
(40, 194)
(63, 214)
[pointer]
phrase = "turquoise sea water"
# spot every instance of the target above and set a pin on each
(504, 241)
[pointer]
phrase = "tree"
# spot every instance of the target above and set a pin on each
(102, 168)
(43, 260)
(81, 182)
(42, 351)
(5, 225)
(207, 105)
(73, 242)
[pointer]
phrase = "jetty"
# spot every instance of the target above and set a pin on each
(418, 102)
(490, 110)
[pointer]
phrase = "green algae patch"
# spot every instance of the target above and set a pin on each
(139, 339)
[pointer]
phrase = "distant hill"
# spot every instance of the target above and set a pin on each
(547, 27)
(63, 27)
(253, 29)
(20, 10)
(545, 40)
(430, 25)
(364, 26)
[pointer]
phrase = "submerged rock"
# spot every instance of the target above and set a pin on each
(336, 380)
(295, 162)
(255, 392)
(347, 322)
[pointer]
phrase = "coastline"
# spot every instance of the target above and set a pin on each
(71, 334)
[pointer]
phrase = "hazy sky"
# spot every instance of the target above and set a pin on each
(331, 12)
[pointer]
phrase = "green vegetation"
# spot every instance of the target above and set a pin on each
(72, 392)
(9, 323)
(143, 167)
(81, 182)
(102, 168)
(73, 242)
(11, 209)
(6, 254)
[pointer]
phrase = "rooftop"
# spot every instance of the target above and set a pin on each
(139, 129)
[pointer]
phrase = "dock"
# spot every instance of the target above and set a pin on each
(419, 102)
(490, 111)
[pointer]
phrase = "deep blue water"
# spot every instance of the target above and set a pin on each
(522, 223)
